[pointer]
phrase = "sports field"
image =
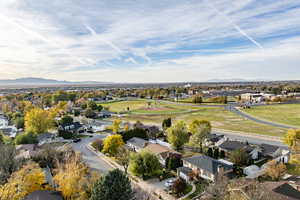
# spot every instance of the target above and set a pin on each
(285, 114)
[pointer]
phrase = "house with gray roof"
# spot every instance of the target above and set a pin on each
(206, 167)
(136, 144)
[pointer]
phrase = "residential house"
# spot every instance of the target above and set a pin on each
(136, 144)
(162, 152)
(229, 146)
(9, 131)
(45, 138)
(214, 139)
(105, 114)
(206, 167)
(272, 152)
(284, 190)
(74, 127)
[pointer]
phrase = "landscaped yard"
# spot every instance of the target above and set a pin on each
(199, 189)
(286, 114)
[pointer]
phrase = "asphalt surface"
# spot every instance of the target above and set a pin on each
(90, 157)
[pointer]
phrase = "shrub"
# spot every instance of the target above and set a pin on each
(136, 132)
(26, 138)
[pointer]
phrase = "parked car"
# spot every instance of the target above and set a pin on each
(170, 182)
(76, 140)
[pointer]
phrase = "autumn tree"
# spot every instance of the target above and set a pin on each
(239, 157)
(74, 179)
(112, 143)
(123, 157)
(38, 121)
(178, 135)
(114, 186)
(144, 164)
(200, 130)
(116, 125)
(275, 170)
(292, 139)
(8, 162)
(23, 182)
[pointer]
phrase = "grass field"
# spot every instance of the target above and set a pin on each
(219, 117)
(285, 114)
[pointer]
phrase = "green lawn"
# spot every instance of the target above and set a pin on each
(219, 117)
(199, 189)
(285, 114)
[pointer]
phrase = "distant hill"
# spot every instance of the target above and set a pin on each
(234, 80)
(42, 81)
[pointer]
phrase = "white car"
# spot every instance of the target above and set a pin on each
(170, 182)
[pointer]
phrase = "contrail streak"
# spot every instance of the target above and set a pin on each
(241, 31)
(39, 36)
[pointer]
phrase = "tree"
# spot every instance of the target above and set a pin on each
(26, 138)
(136, 132)
(89, 113)
(179, 186)
(38, 120)
(275, 170)
(92, 105)
(116, 125)
(173, 162)
(1, 138)
(19, 122)
(200, 129)
(74, 179)
(66, 120)
(8, 162)
(239, 157)
(292, 139)
(178, 135)
(114, 186)
(112, 143)
(197, 99)
(123, 157)
(98, 144)
(222, 154)
(23, 182)
(210, 152)
(167, 123)
(144, 164)
(216, 153)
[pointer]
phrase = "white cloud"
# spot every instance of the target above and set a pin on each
(162, 40)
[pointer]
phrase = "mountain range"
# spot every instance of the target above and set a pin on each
(42, 81)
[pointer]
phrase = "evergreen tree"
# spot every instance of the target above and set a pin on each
(114, 186)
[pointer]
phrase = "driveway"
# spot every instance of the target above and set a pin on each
(90, 157)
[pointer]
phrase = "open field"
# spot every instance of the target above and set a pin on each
(285, 114)
(147, 107)
(218, 116)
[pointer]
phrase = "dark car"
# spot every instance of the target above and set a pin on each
(76, 140)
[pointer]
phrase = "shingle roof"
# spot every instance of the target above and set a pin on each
(138, 142)
(287, 190)
(235, 145)
(207, 163)
(44, 195)
(268, 149)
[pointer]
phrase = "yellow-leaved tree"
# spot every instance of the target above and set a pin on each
(74, 179)
(112, 143)
(38, 120)
(23, 182)
(116, 125)
(292, 139)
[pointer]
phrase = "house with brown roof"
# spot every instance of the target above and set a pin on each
(162, 152)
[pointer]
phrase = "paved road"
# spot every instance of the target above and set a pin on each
(233, 109)
(90, 157)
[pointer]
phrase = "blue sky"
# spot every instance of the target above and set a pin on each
(150, 41)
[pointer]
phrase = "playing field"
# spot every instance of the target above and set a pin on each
(285, 114)
(219, 117)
